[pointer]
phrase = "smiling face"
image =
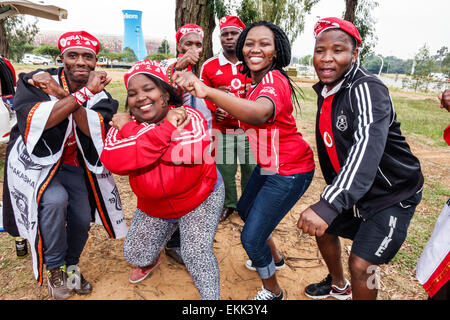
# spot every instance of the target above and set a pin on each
(147, 102)
(259, 51)
(334, 55)
(78, 63)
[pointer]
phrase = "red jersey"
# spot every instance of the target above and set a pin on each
(71, 151)
(277, 145)
(220, 72)
(326, 126)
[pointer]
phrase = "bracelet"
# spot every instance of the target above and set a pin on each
(82, 95)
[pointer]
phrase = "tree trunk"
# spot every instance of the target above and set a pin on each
(4, 46)
(199, 12)
(350, 8)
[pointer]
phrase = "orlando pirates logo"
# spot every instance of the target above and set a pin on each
(116, 199)
(25, 159)
(22, 205)
(341, 123)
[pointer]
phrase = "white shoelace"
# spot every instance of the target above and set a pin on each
(264, 294)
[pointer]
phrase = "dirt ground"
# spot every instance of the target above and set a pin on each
(102, 261)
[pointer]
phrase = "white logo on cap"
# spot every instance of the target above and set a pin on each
(63, 42)
(223, 20)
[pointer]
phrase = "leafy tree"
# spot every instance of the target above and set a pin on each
(248, 12)
(128, 55)
(287, 14)
(445, 65)
(359, 13)
(48, 49)
(160, 56)
(164, 47)
(16, 36)
(424, 66)
(306, 60)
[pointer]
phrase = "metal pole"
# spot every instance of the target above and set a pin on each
(382, 64)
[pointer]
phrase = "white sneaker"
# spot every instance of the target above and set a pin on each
(278, 265)
(265, 294)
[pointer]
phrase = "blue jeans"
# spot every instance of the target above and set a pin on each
(266, 200)
(65, 217)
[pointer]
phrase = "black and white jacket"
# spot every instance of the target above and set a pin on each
(35, 154)
(378, 169)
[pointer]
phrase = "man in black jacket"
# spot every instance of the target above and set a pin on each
(374, 182)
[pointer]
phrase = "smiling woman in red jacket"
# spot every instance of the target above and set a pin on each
(163, 148)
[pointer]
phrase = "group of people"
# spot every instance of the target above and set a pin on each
(179, 142)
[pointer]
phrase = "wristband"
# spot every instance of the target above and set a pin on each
(82, 95)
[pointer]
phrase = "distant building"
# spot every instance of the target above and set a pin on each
(133, 36)
(109, 42)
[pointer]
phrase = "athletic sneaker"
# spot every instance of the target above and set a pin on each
(325, 289)
(57, 283)
(265, 294)
(138, 274)
(278, 265)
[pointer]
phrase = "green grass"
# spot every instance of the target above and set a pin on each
(118, 92)
(422, 117)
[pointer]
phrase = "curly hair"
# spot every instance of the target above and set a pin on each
(283, 58)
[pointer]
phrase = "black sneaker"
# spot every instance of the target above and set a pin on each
(325, 289)
(265, 294)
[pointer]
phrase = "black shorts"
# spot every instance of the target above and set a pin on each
(378, 238)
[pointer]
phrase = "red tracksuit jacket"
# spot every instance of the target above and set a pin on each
(170, 171)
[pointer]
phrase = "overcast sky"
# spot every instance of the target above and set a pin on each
(402, 26)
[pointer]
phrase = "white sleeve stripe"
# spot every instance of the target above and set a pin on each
(358, 150)
(112, 143)
(197, 128)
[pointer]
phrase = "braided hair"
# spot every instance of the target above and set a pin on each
(283, 58)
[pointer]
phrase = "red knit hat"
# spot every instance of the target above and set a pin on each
(188, 28)
(336, 23)
(231, 22)
(78, 39)
(153, 68)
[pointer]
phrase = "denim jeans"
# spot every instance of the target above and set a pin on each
(64, 217)
(266, 200)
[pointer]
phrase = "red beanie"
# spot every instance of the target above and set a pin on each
(188, 28)
(153, 68)
(231, 22)
(78, 39)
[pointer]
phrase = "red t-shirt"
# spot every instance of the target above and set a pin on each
(447, 135)
(277, 145)
(220, 72)
(71, 152)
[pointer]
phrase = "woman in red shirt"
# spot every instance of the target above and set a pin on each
(164, 149)
(285, 161)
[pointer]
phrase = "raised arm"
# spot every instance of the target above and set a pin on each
(251, 112)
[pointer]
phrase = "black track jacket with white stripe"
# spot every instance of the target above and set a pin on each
(377, 167)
